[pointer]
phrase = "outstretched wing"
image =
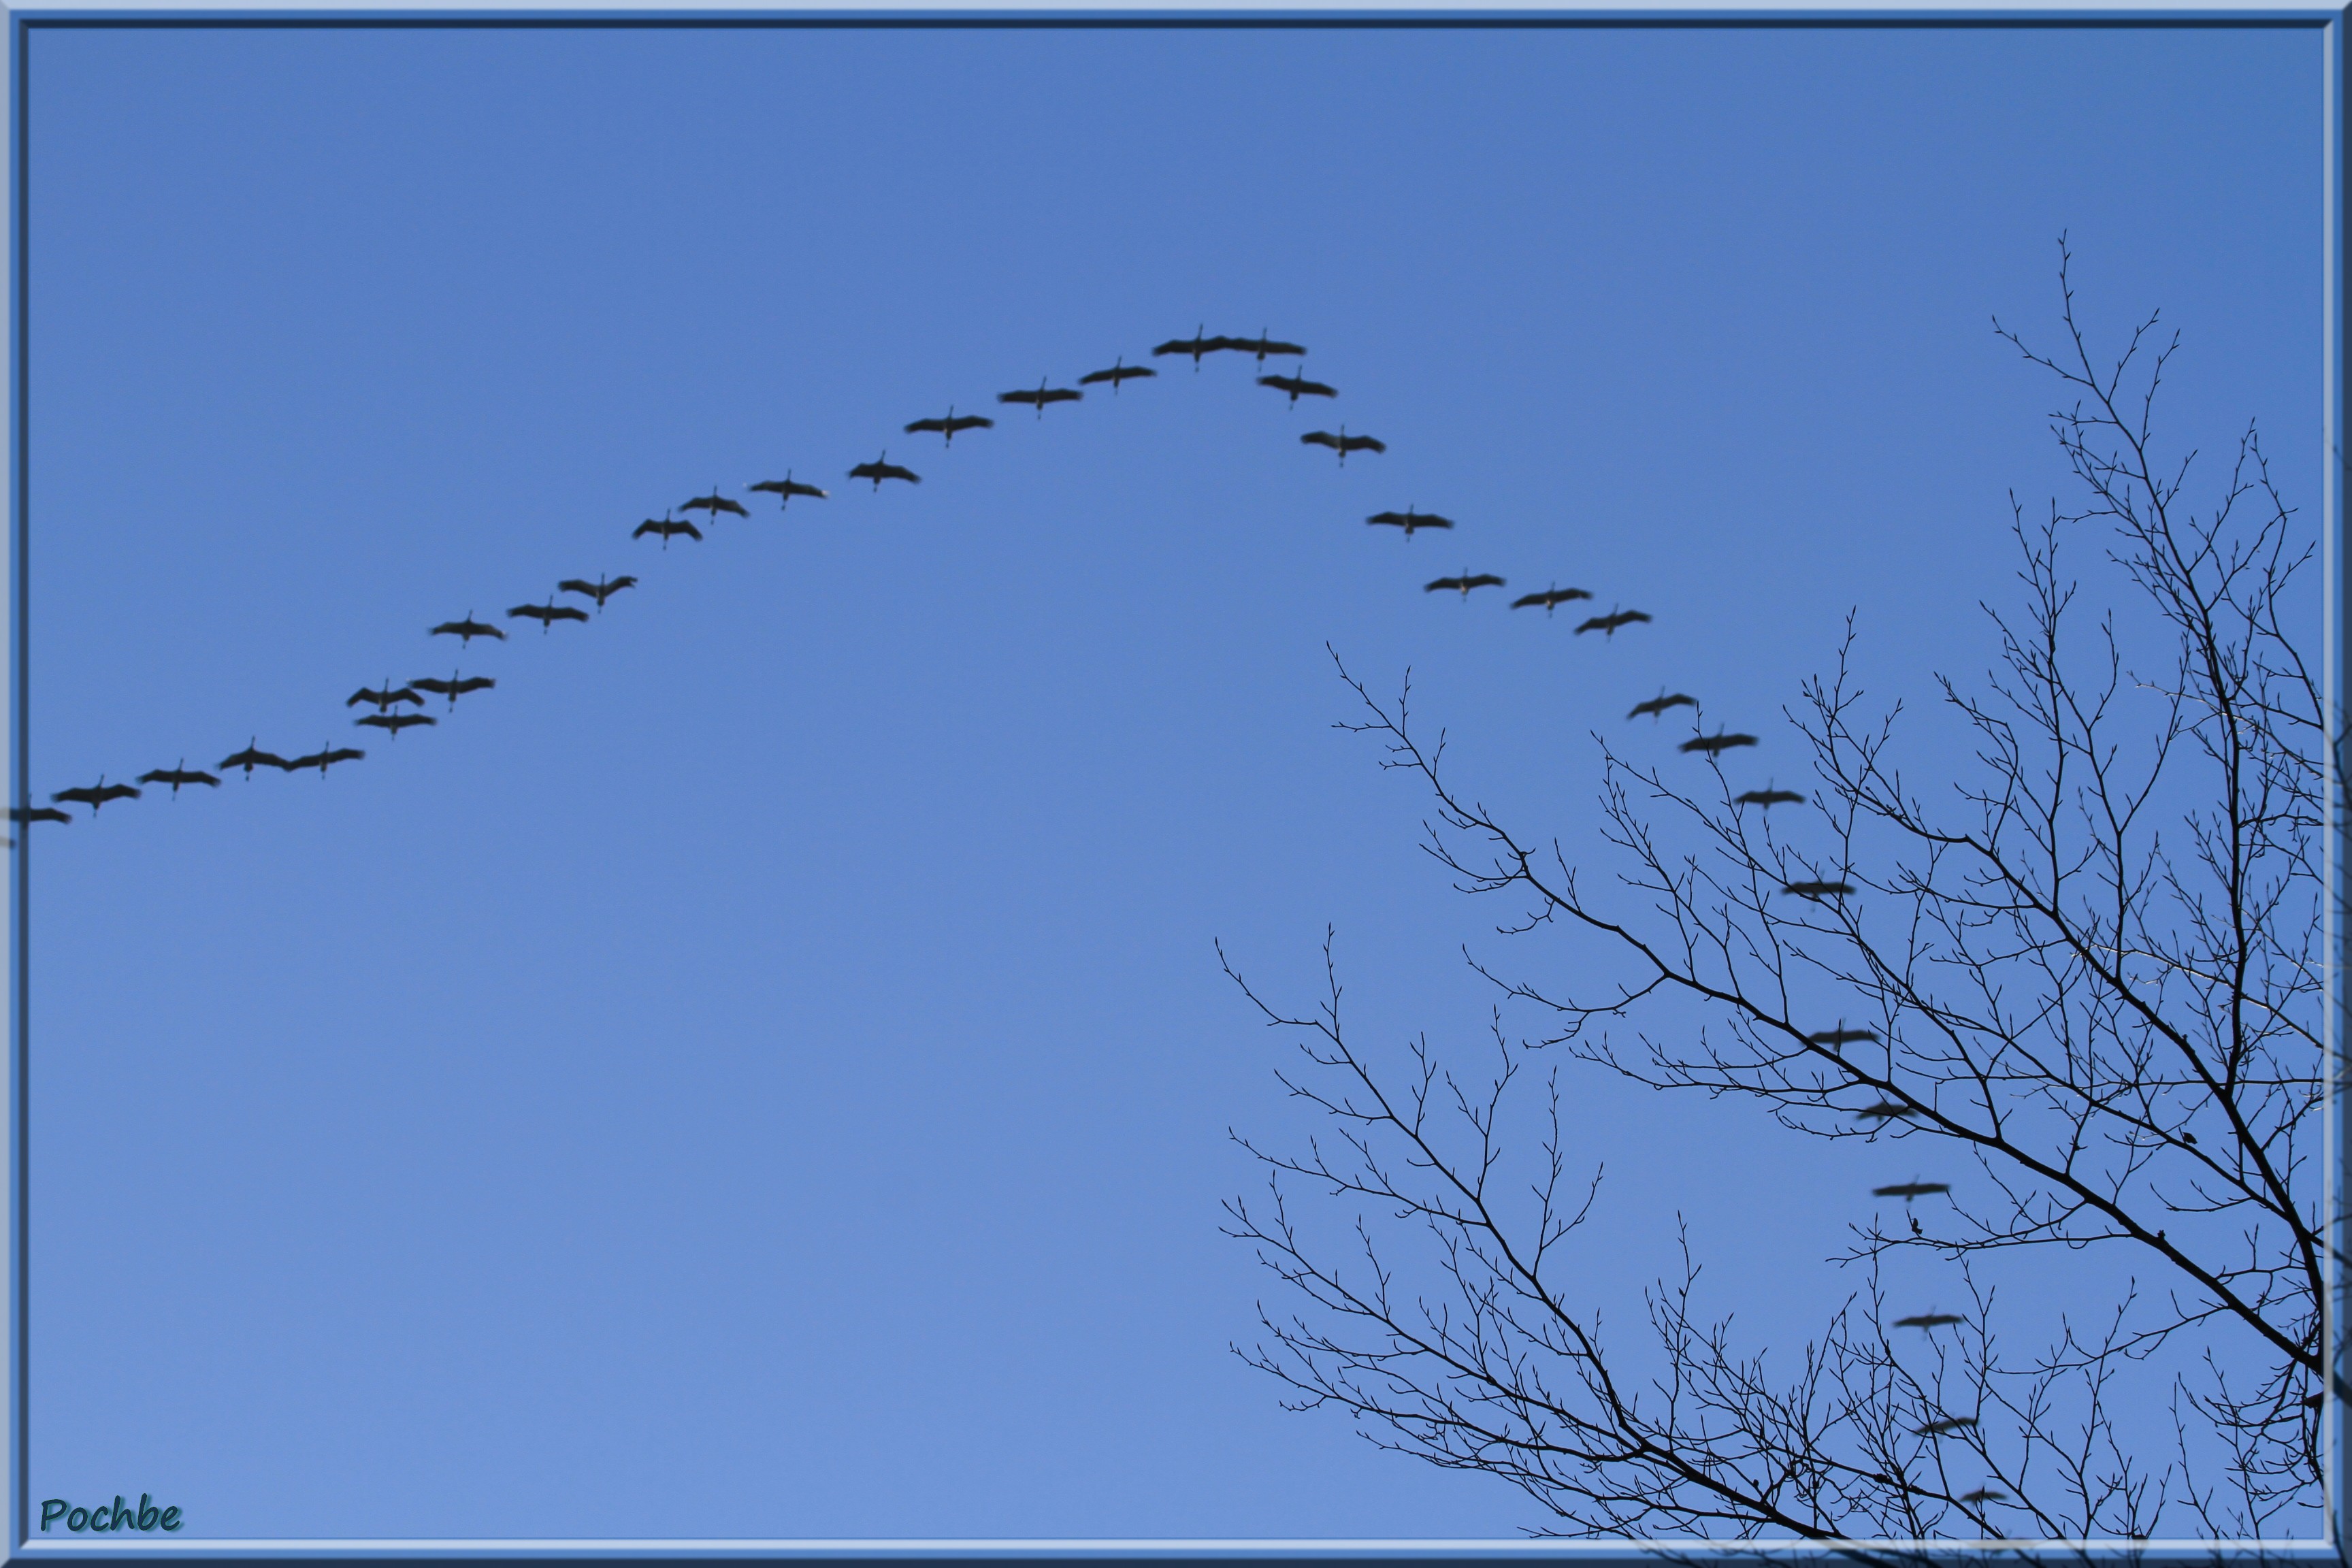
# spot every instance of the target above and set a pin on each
(1442, 582)
(1363, 444)
(575, 585)
(563, 613)
(1486, 580)
(1320, 438)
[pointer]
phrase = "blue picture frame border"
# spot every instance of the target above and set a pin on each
(2335, 1547)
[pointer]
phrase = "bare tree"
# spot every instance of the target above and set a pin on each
(2093, 969)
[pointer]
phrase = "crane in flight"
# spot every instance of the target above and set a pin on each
(1196, 345)
(1042, 396)
(1769, 797)
(1262, 345)
(1818, 891)
(1887, 1111)
(951, 424)
(1550, 596)
(395, 722)
(1120, 371)
(38, 813)
(466, 630)
(1409, 520)
(96, 795)
(600, 590)
(714, 503)
(1343, 443)
(180, 774)
(1945, 1425)
(666, 527)
(1298, 386)
(453, 688)
(550, 613)
(325, 757)
(1841, 1035)
(252, 757)
(383, 699)
(881, 468)
(785, 489)
(1716, 744)
(1464, 583)
(1607, 625)
(1657, 706)
(1907, 1191)
(1930, 1320)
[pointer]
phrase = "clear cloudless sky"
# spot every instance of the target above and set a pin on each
(764, 1069)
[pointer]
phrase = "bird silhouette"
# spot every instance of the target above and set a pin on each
(178, 774)
(1818, 890)
(785, 489)
(383, 699)
(666, 527)
(1841, 1035)
(600, 590)
(1930, 1320)
(1555, 595)
(1984, 1495)
(880, 469)
(1262, 345)
(1607, 625)
(38, 813)
(1944, 1426)
(453, 688)
(1716, 744)
(96, 795)
(1769, 797)
(1887, 1111)
(466, 630)
(252, 757)
(951, 424)
(1907, 1191)
(395, 722)
(1343, 443)
(714, 503)
(1042, 397)
(1196, 345)
(550, 613)
(1120, 371)
(325, 758)
(1409, 520)
(1657, 705)
(1464, 583)
(1298, 386)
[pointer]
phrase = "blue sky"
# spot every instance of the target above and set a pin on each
(763, 1069)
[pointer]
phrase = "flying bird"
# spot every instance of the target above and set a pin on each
(383, 699)
(96, 795)
(1930, 1320)
(1841, 1035)
(550, 613)
(714, 503)
(1887, 1110)
(1464, 583)
(178, 774)
(1907, 1191)
(599, 590)
(1769, 798)
(1343, 443)
(1262, 345)
(1196, 345)
(466, 630)
(325, 758)
(1985, 1494)
(1409, 520)
(453, 688)
(1715, 745)
(951, 424)
(1660, 703)
(1298, 386)
(395, 722)
(38, 813)
(1042, 397)
(252, 757)
(785, 489)
(1818, 890)
(1120, 371)
(1555, 595)
(666, 527)
(1946, 1425)
(879, 469)
(1607, 625)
